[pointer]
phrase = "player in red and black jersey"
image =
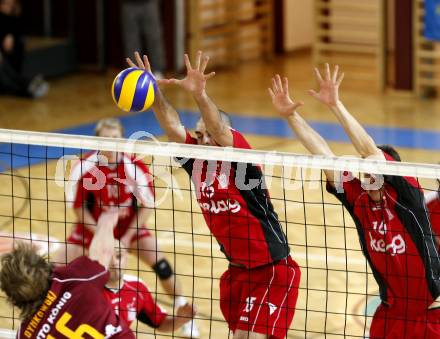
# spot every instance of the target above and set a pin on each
(65, 302)
(390, 216)
(258, 292)
(132, 300)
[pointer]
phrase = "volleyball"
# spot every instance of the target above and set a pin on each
(134, 89)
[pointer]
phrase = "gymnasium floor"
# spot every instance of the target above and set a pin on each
(335, 283)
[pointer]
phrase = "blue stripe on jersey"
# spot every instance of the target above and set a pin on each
(120, 82)
(141, 93)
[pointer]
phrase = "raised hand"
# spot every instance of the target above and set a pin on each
(329, 86)
(195, 80)
(144, 63)
(281, 100)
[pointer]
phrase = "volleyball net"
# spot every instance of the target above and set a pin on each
(337, 292)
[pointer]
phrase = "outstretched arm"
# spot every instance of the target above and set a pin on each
(165, 113)
(172, 323)
(286, 107)
(103, 242)
(329, 95)
(195, 83)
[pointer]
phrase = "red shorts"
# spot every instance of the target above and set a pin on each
(262, 299)
(389, 324)
(83, 237)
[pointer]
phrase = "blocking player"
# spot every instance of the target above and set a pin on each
(66, 301)
(104, 179)
(132, 300)
(259, 290)
(391, 220)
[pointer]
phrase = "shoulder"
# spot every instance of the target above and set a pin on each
(82, 269)
(133, 281)
(239, 141)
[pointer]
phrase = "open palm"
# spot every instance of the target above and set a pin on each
(281, 100)
(328, 86)
(195, 80)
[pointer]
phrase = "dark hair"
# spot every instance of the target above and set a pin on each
(225, 118)
(25, 278)
(391, 151)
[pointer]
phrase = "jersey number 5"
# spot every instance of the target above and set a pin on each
(61, 327)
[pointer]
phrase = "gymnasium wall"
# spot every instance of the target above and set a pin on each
(298, 24)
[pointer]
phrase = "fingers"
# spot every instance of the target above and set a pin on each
(139, 61)
(313, 93)
(147, 64)
(210, 75)
(286, 85)
(275, 86)
(297, 105)
(187, 62)
(130, 63)
(335, 74)
(279, 83)
(341, 77)
(204, 64)
(327, 72)
(173, 81)
(198, 59)
(318, 75)
(271, 93)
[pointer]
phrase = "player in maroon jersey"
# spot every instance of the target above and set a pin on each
(104, 179)
(65, 302)
(390, 217)
(258, 292)
(132, 300)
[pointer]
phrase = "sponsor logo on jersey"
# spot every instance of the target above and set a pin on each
(395, 246)
(217, 206)
(272, 308)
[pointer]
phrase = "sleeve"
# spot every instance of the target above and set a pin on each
(79, 194)
(150, 313)
(187, 163)
(239, 141)
(83, 270)
(349, 191)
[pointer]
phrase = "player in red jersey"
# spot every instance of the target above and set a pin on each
(390, 217)
(65, 302)
(258, 292)
(104, 179)
(132, 300)
(432, 200)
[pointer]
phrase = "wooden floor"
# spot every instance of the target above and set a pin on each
(335, 287)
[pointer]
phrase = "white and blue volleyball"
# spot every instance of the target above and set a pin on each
(134, 90)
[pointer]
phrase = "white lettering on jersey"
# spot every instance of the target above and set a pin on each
(397, 245)
(249, 304)
(217, 207)
(111, 330)
(272, 308)
(382, 229)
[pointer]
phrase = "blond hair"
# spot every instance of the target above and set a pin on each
(25, 278)
(108, 123)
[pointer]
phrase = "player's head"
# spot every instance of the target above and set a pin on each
(25, 278)
(109, 128)
(118, 263)
(376, 194)
(203, 136)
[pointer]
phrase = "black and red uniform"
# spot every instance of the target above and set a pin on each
(398, 242)
(258, 292)
(433, 203)
(75, 306)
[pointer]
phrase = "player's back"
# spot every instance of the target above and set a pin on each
(74, 306)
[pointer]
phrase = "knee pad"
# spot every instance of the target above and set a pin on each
(163, 269)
